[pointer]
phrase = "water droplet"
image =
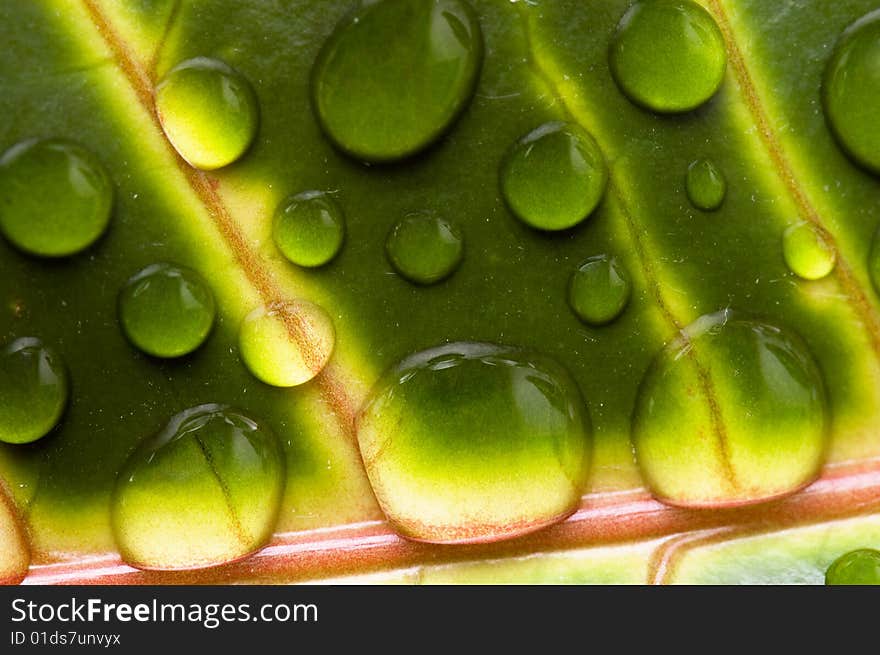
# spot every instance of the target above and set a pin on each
(554, 177)
(286, 344)
(34, 387)
(668, 55)
(166, 310)
(473, 442)
(55, 197)
(851, 91)
(705, 184)
(309, 228)
(395, 75)
(859, 567)
(209, 112)
(425, 248)
(807, 252)
(731, 412)
(205, 490)
(599, 290)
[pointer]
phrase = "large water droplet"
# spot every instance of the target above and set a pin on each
(425, 248)
(731, 412)
(203, 491)
(599, 290)
(309, 228)
(668, 55)
(851, 91)
(858, 567)
(55, 197)
(34, 389)
(554, 177)
(209, 112)
(286, 344)
(166, 310)
(475, 442)
(807, 252)
(705, 184)
(395, 74)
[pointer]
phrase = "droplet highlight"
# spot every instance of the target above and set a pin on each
(807, 252)
(599, 290)
(395, 75)
(309, 228)
(424, 248)
(208, 111)
(56, 198)
(706, 185)
(205, 490)
(858, 567)
(668, 56)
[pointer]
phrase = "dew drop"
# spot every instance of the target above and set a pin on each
(55, 197)
(209, 112)
(471, 442)
(309, 228)
(395, 74)
(554, 177)
(286, 344)
(34, 388)
(425, 248)
(705, 184)
(858, 567)
(732, 412)
(668, 55)
(203, 491)
(807, 252)
(166, 310)
(599, 290)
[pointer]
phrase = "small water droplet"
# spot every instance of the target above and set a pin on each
(34, 389)
(475, 442)
(425, 248)
(55, 197)
(858, 567)
(288, 343)
(554, 177)
(209, 112)
(309, 228)
(203, 491)
(668, 55)
(599, 290)
(705, 185)
(807, 252)
(166, 310)
(395, 75)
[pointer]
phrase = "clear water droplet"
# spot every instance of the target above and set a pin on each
(668, 55)
(807, 252)
(858, 567)
(705, 184)
(55, 197)
(554, 177)
(209, 112)
(203, 491)
(395, 75)
(475, 442)
(425, 248)
(599, 290)
(309, 228)
(166, 310)
(34, 389)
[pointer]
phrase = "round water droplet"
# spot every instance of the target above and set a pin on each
(286, 343)
(395, 74)
(705, 184)
(807, 252)
(554, 177)
(34, 389)
(166, 310)
(424, 248)
(731, 412)
(599, 290)
(474, 442)
(203, 491)
(851, 91)
(55, 197)
(859, 567)
(209, 112)
(309, 228)
(668, 55)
